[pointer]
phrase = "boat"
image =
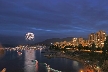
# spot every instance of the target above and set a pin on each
(35, 61)
(19, 53)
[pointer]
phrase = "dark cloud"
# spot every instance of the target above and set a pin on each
(53, 18)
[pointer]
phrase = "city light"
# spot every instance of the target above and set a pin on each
(97, 38)
(51, 43)
(81, 71)
(97, 67)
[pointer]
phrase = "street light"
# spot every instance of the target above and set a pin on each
(51, 43)
(81, 71)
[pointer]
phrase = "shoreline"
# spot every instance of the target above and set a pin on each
(86, 67)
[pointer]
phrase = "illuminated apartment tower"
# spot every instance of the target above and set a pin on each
(80, 40)
(92, 38)
(75, 41)
(101, 37)
(85, 43)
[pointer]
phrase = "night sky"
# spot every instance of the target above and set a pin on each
(51, 19)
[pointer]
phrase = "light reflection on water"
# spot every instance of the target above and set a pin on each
(23, 63)
(2, 51)
(75, 64)
(29, 65)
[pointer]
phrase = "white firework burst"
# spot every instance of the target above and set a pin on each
(29, 36)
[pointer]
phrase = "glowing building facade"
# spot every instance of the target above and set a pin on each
(97, 38)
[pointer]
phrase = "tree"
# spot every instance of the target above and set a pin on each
(98, 49)
(105, 66)
(86, 48)
(105, 48)
(80, 47)
(93, 47)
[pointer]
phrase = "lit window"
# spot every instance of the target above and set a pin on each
(98, 39)
(103, 33)
(102, 43)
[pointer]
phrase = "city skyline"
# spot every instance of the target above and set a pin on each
(51, 19)
(97, 38)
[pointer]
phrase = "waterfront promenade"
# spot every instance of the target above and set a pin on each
(88, 67)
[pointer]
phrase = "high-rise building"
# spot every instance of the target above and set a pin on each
(101, 37)
(85, 43)
(80, 40)
(92, 38)
(75, 41)
(98, 38)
